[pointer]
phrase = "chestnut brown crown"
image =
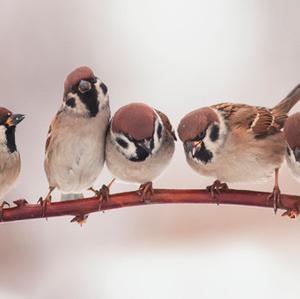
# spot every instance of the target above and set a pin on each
(195, 122)
(80, 73)
(4, 113)
(292, 130)
(136, 120)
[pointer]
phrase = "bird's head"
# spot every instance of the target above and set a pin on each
(292, 135)
(202, 132)
(137, 131)
(84, 93)
(8, 123)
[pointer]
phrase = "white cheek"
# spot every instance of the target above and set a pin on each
(103, 99)
(79, 108)
(157, 141)
(130, 151)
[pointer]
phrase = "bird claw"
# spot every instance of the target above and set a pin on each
(80, 219)
(275, 197)
(216, 188)
(146, 191)
(2, 205)
(20, 203)
(291, 213)
(44, 204)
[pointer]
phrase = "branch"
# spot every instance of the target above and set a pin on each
(85, 206)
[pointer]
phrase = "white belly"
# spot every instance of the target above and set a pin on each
(9, 170)
(76, 155)
(244, 160)
(293, 165)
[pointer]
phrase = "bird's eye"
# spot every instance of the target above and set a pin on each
(201, 135)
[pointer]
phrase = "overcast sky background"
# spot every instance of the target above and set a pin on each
(176, 56)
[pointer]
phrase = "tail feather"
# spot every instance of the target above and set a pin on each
(71, 196)
(288, 102)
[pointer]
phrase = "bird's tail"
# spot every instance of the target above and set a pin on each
(288, 102)
(70, 196)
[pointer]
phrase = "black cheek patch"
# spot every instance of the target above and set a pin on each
(104, 88)
(214, 133)
(288, 151)
(122, 143)
(71, 102)
(204, 155)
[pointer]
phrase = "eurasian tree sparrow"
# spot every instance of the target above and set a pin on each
(292, 135)
(76, 139)
(237, 142)
(10, 162)
(139, 145)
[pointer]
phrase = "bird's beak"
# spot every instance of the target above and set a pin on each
(146, 147)
(14, 119)
(84, 86)
(195, 146)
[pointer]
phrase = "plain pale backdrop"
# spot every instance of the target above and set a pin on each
(176, 56)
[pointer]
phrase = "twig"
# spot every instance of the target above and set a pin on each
(23, 210)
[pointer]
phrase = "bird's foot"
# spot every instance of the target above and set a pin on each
(215, 189)
(291, 213)
(20, 203)
(103, 193)
(44, 204)
(80, 219)
(275, 198)
(2, 205)
(146, 191)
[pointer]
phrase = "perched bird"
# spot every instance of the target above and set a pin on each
(139, 145)
(292, 154)
(75, 145)
(292, 135)
(237, 142)
(10, 162)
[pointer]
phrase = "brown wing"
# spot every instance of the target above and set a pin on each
(166, 123)
(261, 121)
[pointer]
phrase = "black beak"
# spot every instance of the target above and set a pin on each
(84, 86)
(145, 147)
(14, 119)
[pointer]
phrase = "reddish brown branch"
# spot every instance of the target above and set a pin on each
(23, 210)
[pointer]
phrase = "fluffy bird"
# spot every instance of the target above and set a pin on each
(75, 145)
(10, 162)
(139, 145)
(292, 135)
(237, 142)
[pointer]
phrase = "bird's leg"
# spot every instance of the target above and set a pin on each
(146, 191)
(276, 194)
(47, 200)
(291, 213)
(103, 193)
(2, 205)
(215, 189)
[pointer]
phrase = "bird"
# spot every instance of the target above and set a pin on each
(237, 142)
(292, 136)
(140, 143)
(74, 152)
(10, 161)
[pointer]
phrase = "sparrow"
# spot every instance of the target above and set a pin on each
(292, 154)
(10, 162)
(139, 145)
(292, 135)
(237, 142)
(74, 154)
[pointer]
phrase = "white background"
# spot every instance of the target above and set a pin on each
(176, 56)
